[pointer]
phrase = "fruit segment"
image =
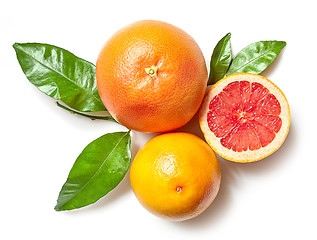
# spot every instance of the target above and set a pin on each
(245, 116)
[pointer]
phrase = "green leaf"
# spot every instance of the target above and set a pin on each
(98, 169)
(61, 75)
(256, 57)
(220, 59)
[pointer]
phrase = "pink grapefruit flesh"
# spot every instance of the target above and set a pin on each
(244, 117)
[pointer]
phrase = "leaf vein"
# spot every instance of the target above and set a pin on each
(99, 167)
(90, 91)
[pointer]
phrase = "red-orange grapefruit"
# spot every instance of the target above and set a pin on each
(151, 76)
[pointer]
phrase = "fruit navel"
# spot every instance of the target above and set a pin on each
(152, 71)
(179, 189)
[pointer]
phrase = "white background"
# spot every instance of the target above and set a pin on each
(271, 199)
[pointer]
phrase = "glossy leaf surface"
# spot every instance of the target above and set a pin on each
(61, 75)
(98, 169)
(256, 57)
(220, 59)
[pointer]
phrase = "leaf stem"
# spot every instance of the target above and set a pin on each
(92, 117)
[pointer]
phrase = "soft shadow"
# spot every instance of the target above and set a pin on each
(138, 140)
(275, 160)
(192, 127)
(230, 174)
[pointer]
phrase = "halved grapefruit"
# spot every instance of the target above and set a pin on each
(244, 117)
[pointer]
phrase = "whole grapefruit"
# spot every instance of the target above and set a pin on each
(151, 76)
(175, 176)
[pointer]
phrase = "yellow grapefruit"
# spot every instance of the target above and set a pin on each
(175, 176)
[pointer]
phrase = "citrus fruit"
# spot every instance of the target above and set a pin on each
(151, 76)
(175, 176)
(244, 117)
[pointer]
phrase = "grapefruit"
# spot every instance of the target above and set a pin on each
(175, 176)
(244, 117)
(151, 76)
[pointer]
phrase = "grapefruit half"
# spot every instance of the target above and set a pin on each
(244, 117)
